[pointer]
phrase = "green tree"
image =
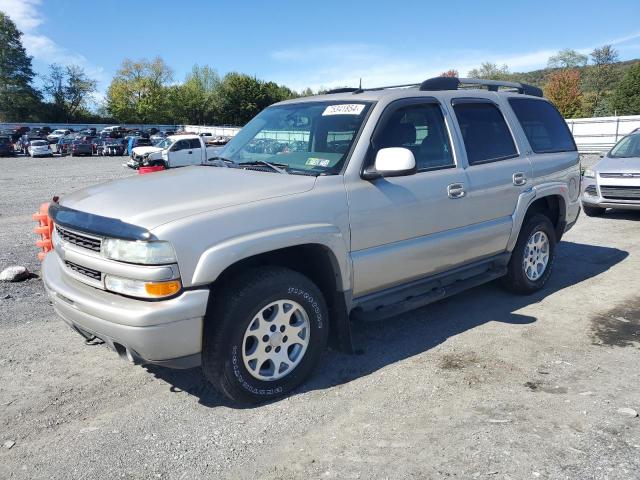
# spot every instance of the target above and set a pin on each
(602, 77)
(626, 98)
(490, 71)
(563, 89)
(69, 90)
(567, 58)
(19, 101)
(195, 101)
(241, 97)
(139, 92)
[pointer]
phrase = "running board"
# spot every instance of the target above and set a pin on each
(419, 294)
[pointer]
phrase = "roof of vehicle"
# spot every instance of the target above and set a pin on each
(183, 136)
(439, 87)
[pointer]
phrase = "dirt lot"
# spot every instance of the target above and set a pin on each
(483, 385)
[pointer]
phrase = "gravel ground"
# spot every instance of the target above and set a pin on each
(482, 385)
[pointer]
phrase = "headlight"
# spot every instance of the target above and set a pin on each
(589, 173)
(147, 253)
(141, 288)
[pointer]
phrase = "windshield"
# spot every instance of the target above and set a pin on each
(627, 147)
(38, 143)
(312, 137)
(59, 132)
(164, 144)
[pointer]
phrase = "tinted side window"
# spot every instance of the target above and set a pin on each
(181, 145)
(485, 133)
(421, 129)
(194, 143)
(543, 125)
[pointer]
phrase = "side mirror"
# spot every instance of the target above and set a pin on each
(392, 162)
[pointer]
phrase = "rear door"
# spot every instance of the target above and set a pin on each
(498, 172)
(195, 154)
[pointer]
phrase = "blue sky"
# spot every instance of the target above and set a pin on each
(325, 43)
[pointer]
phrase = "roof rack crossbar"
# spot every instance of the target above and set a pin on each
(454, 83)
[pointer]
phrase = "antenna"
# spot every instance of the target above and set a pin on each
(360, 87)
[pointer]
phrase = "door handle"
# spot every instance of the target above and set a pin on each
(456, 190)
(189, 152)
(519, 179)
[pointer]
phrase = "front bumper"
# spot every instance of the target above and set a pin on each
(167, 332)
(591, 194)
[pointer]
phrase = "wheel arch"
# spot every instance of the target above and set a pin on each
(319, 261)
(549, 200)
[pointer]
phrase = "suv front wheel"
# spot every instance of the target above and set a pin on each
(532, 258)
(264, 334)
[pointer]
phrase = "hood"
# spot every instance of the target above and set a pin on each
(145, 150)
(157, 198)
(618, 165)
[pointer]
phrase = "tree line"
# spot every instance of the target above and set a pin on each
(145, 91)
(580, 85)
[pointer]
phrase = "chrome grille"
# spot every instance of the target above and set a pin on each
(88, 272)
(79, 239)
(621, 192)
(591, 190)
(620, 175)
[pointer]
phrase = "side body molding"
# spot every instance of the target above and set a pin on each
(216, 259)
(528, 197)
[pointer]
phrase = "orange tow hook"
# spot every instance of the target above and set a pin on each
(44, 228)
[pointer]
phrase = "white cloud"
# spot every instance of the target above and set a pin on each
(27, 17)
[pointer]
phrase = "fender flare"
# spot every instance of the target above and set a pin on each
(531, 195)
(217, 258)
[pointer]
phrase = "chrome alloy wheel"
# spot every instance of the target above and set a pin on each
(276, 340)
(536, 255)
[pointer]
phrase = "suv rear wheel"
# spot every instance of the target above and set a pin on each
(264, 334)
(532, 258)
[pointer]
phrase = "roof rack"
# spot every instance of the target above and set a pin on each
(360, 89)
(451, 83)
(454, 83)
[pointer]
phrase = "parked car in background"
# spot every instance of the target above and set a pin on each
(614, 181)
(80, 148)
(173, 151)
(6, 147)
(115, 147)
(57, 134)
(39, 148)
(63, 145)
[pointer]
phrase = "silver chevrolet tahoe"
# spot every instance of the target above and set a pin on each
(355, 205)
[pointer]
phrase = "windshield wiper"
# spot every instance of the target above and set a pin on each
(219, 161)
(278, 167)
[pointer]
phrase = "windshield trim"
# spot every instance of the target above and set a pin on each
(341, 166)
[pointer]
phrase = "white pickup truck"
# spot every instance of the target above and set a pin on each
(173, 151)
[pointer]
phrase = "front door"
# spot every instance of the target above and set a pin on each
(405, 227)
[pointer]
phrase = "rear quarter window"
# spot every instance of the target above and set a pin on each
(543, 125)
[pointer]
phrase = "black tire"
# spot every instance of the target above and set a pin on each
(593, 211)
(516, 279)
(230, 315)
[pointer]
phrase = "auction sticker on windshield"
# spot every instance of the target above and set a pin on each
(344, 109)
